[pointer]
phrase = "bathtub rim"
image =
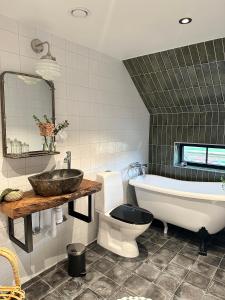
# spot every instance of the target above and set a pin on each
(208, 197)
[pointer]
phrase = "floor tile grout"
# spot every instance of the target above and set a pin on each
(173, 245)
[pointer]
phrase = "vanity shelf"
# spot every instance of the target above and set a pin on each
(32, 203)
(30, 154)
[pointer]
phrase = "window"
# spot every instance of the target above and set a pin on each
(200, 155)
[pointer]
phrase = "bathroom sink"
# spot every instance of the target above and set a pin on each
(56, 182)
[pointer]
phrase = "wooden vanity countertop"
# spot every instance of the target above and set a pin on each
(32, 203)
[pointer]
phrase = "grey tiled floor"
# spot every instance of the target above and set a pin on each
(167, 268)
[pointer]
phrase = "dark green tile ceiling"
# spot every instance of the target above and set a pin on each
(186, 79)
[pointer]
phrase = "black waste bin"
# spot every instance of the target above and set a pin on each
(76, 260)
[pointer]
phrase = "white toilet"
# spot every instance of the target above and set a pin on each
(119, 224)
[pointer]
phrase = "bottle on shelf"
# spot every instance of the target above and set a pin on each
(8, 145)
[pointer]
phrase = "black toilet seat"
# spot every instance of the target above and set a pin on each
(131, 214)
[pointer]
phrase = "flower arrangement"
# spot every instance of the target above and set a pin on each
(49, 130)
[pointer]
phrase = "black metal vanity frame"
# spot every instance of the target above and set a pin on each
(28, 233)
(77, 215)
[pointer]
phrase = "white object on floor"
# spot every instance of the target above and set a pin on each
(134, 298)
(113, 234)
(188, 204)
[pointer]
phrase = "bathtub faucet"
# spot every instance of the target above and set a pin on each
(139, 167)
(143, 169)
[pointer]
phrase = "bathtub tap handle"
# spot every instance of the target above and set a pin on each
(135, 165)
(143, 169)
(139, 168)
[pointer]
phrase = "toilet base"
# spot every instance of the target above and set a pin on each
(119, 237)
(127, 249)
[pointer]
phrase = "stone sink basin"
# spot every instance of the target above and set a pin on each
(56, 182)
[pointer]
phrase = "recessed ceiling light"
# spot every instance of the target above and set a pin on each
(80, 12)
(185, 20)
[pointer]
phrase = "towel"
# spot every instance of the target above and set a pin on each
(36, 223)
(59, 215)
(45, 222)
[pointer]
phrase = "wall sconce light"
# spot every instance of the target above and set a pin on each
(46, 67)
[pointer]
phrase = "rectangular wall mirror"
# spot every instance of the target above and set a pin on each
(22, 96)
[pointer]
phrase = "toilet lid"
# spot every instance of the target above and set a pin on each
(131, 214)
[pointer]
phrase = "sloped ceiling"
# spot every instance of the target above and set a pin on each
(186, 79)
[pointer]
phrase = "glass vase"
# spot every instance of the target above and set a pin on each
(52, 145)
(45, 145)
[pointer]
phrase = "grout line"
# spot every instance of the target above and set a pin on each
(198, 64)
(154, 233)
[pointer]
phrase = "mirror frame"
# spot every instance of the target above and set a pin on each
(3, 116)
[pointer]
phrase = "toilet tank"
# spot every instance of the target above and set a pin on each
(111, 194)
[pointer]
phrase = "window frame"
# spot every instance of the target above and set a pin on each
(181, 161)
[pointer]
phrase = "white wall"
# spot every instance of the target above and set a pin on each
(108, 130)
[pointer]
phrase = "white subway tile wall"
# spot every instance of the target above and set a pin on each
(109, 127)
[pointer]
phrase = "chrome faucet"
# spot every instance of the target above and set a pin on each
(67, 159)
(139, 167)
(143, 169)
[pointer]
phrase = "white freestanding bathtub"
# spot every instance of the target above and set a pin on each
(188, 204)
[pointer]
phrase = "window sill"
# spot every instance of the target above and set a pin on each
(199, 168)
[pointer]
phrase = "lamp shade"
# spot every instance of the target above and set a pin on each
(47, 69)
